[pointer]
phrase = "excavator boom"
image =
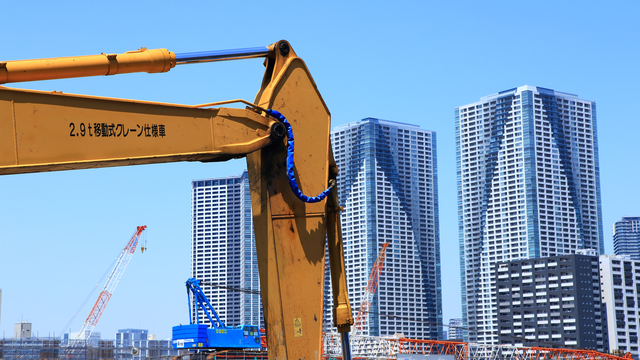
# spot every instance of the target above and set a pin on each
(42, 131)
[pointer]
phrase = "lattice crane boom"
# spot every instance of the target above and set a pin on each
(372, 285)
(114, 278)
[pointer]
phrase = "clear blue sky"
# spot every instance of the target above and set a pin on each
(405, 61)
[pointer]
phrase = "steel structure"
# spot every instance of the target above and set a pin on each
(372, 285)
(375, 347)
(114, 278)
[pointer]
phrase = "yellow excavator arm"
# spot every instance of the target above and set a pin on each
(47, 131)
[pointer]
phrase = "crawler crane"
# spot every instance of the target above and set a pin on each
(48, 131)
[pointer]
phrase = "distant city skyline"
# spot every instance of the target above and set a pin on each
(412, 63)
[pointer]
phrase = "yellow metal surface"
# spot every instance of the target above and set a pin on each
(342, 315)
(290, 234)
(42, 131)
(143, 60)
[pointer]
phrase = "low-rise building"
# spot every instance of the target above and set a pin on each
(551, 302)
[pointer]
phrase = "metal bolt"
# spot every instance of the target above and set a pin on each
(284, 48)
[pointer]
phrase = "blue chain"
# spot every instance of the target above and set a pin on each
(290, 174)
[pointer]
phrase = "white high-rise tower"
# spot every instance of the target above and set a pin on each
(528, 187)
(387, 184)
(223, 250)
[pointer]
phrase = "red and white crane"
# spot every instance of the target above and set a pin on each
(116, 274)
(372, 285)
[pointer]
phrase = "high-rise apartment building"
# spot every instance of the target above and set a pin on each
(388, 185)
(620, 283)
(626, 237)
(551, 302)
(223, 250)
(528, 187)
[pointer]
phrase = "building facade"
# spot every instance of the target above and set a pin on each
(551, 302)
(620, 282)
(132, 344)
(455, 329)
(223, 251)
(22, 330)
(388, 185)
(528, 187)
(626, 237)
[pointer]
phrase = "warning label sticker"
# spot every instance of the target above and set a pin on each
(297, 327)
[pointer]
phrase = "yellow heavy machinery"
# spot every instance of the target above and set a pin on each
(49, 131)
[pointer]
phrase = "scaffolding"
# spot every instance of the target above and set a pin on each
(54, 348)
(374, 347)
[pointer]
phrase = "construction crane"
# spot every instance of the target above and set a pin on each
(218, 336)
(372, 285)
(114, 278)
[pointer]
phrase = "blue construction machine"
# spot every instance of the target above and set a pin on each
(216, 337)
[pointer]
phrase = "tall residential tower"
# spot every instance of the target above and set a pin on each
(528, 187)
(223, 250)
(388, 187)
(626, 237)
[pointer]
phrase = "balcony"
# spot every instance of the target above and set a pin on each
(571, 342)
(569, 321)
(567, 328)
(543, 322)
(567, 284)
(556, 336)
(553, 278)
(566, 277)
